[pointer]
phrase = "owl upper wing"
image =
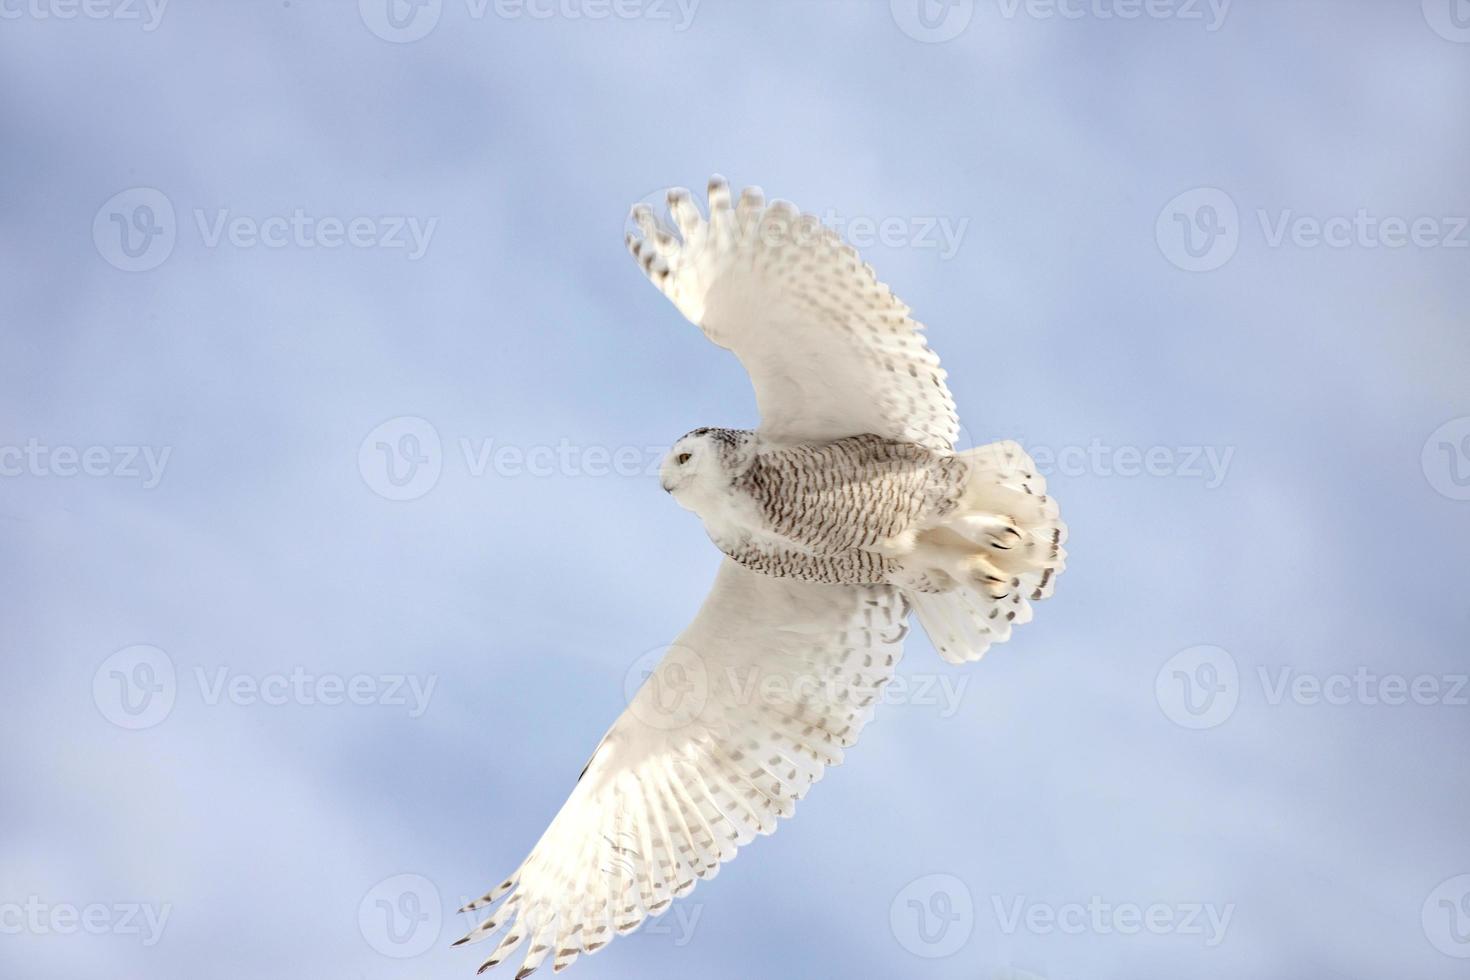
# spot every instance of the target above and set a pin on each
(830, 350)
(764, 689)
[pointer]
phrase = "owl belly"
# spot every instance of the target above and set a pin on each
(862, 493)
(855, 567)
(844, 512)
(739, 529)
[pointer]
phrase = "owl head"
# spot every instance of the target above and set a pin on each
(702, 466)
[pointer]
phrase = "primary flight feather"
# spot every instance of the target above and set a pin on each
(847, 509)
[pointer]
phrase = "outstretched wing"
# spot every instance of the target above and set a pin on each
(830, 350)
(772, 680)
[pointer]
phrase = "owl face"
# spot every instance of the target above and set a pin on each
(701, 467)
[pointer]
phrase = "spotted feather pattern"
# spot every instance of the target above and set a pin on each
(830, 350)
(773, 680)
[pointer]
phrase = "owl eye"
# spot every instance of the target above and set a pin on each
(682, 458)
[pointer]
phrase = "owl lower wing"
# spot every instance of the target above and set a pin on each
(830, 350)
(768, 685)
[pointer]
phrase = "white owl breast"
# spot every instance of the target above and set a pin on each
(734, 522)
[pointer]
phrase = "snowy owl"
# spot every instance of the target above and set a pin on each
(846, 510)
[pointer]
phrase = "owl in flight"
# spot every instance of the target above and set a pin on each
(845, 511)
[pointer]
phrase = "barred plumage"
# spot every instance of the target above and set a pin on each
(848, 509)
(845, 568)
(854, 493)
(865, 510)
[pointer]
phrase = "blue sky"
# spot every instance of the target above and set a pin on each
(274, 710)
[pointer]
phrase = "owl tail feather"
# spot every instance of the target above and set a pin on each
(978, 569)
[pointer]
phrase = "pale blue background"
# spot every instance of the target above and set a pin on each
(1059, 778)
